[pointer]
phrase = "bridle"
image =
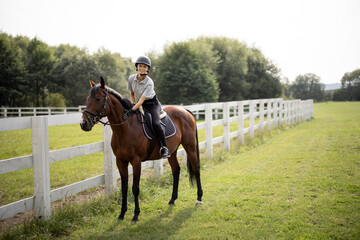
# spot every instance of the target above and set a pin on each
(97, 117)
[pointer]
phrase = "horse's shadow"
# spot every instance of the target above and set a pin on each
(157, 227)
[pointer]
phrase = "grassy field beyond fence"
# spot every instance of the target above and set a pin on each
(301, 182)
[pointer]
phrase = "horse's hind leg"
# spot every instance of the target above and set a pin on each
(194, 168)
(176, 173)
(199, 188)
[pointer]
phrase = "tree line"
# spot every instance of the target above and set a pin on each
(206, 69)
(35, 74)
(350, 87)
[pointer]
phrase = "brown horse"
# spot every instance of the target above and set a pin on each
(130, 145)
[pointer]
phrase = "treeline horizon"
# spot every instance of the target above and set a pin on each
(205, 69)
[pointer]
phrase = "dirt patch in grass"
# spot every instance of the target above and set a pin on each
(99, 191)
(20, 218)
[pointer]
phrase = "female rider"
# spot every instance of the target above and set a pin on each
(142, 86)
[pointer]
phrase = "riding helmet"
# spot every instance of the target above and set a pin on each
(144, 60)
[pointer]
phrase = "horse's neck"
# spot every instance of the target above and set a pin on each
(117, 111)
(116, 117)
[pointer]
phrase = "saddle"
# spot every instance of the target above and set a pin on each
(165, 121)
(146, 121)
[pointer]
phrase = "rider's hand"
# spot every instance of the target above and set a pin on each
(127, 113)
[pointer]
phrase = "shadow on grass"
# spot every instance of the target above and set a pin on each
(162, 226)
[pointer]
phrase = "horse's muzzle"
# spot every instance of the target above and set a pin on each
(85, 125)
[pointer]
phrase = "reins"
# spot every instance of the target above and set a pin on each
(97, 118)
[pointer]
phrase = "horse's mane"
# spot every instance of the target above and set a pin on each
(124, 102)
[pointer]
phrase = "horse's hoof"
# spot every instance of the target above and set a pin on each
(199, 203)
(134, 220)
(120, 218)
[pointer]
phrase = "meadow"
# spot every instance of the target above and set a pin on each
(300, 182)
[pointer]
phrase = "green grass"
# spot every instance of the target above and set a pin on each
(300, 182)
(19, 184)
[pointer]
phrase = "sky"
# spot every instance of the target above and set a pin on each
(299, 36)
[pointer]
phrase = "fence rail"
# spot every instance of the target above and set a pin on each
(268, 113)
(38, 111)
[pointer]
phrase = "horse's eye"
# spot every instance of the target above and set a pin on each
(97, 99)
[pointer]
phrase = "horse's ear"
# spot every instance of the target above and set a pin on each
(102, 82)
(92, 84)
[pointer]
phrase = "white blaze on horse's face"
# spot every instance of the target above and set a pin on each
(83, 123)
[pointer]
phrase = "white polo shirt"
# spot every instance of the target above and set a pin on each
(144, 88)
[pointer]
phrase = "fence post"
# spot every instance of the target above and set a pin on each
(298, 112)
(226, 116)
(241, 121)
(285, 112)
(303, 110)
(268, 115)
(276, 112)
(281, 111)
(261, 121)
(109, 163)
(41, 167)
(289, 113)
(208, 131)
(294, 112)
(251, 118)
(158, 168)
(307, 106)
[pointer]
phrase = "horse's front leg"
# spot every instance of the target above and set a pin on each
(122, 166)
(136, 188)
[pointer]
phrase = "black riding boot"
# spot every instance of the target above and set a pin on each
(164, 152)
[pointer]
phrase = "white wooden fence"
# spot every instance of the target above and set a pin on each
(267, 113)
(38, 111)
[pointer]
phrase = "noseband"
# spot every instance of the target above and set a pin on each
(97, 117)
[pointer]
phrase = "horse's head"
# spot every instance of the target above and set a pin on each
(97, 105)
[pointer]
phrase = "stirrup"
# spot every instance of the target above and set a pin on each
(166, 153)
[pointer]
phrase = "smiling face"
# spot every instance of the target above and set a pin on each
(142, 68)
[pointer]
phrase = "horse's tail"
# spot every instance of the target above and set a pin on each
(190, 169)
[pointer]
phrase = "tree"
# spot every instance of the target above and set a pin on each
(350, 84)
(72, 72)
(39, 64)
(262, 77)
(308, 86)
(340, 95)
(182, 77)
(55, 100)
(231, 68)
(12, 72)
(115, 69)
